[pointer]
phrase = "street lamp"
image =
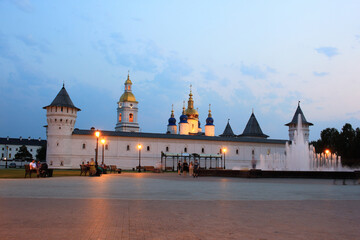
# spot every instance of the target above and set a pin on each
(224, 151)
(97, 134)
(103, 148)
(139, 147)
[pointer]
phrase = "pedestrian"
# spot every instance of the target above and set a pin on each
(179, 168)
(185, 168)
(191, 169)
(196, 169)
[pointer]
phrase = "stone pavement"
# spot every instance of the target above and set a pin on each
(167, 206)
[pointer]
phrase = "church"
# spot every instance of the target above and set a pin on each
(127, 147)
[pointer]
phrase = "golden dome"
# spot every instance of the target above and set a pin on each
(191, 113)
(127, 97)
(128, 81)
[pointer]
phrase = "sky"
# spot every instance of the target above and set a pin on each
(238, 56)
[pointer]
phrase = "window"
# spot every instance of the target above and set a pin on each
(237, 151)
(119, 117)
(185, 149)
(128, 87)
(57, 144)
(131, 117)
(10, 149)
(148, 148)
(16, 149)
(253, 152)
(220, 150)
(62, 109)
(9, 155)
(167, 149)
(106, 147)
(83, 146)
(202, 150)
(2, 155)
(128, 148)
(30, 150)
(60, 120)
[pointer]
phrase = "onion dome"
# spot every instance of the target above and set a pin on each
(128, 96)
(209, 120)
(183, 117)
(172, 120)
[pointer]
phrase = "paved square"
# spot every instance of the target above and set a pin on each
(167, 206)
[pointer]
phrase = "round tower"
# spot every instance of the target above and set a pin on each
(61, 117)
(183, 124)
(209, 127)
(171, 127)
(127, 110)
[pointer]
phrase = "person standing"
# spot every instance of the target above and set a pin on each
(196, 169)
(179, 167)
(191, 169)
(185, 167)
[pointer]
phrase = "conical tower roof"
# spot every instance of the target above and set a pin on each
(62, 99)
(228, 132)
(295, 118)
(253, 129)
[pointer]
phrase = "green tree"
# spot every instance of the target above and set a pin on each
(23, 153)
(41, 153)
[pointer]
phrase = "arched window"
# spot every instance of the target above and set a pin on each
(128, 148)
(120, 117)
(202, 150)
(237, 151)
(185, 149)
(167, 149)
(131, 117)
(129, 87)
(148, 148)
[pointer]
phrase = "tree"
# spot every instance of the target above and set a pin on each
(23, 153)
(41, 153)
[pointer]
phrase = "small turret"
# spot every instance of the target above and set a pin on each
(209, 127)
(171, 127)
(228, 132)
(183, 124)
(294, 124)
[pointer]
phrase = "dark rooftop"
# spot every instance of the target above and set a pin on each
(295, 118)
(177, 136)
(228, 132)
(62, 99)
(253, 129)
(22, 141)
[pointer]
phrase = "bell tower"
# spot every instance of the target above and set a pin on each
(127, 110)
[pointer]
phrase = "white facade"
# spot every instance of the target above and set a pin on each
(10, 146)
(69, 147)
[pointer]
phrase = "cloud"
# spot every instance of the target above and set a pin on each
(255, 71)
(327, 51)
(29, 41)
(320, 74)
(23, 5)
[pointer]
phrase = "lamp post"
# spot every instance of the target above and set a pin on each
(97, 134)
(103, 148)
(139, 147)
(224, 151)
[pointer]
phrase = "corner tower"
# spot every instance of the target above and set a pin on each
(127, 110)
(61, 117)
(294, 123)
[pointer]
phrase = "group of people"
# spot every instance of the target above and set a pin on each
(192, 168)
(40, 168)
(101, 169)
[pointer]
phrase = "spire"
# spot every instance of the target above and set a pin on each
(209, 115)
(172, 110)
(128, 81)
(62, 99)
(253, 129)
(191, 101)
(183, 112)
(295, 117)
(228, 132)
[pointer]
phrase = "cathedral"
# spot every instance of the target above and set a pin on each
(127, 147)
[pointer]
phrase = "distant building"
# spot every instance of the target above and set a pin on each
(10, 146)
(68, 146)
